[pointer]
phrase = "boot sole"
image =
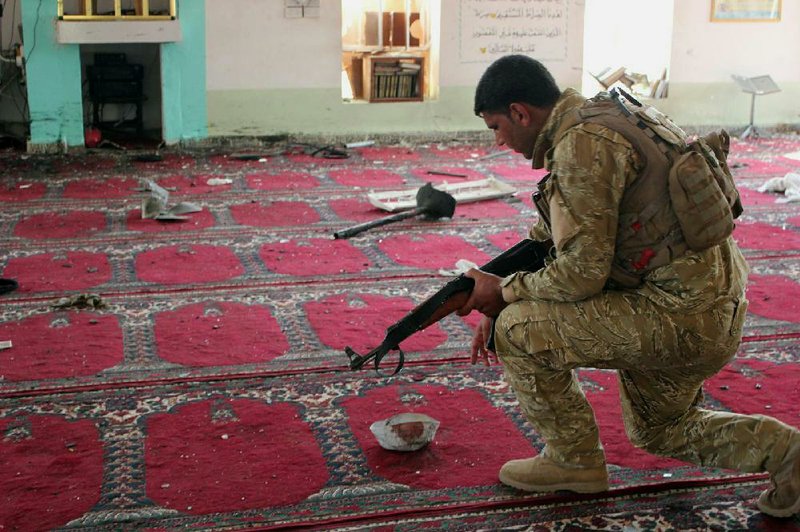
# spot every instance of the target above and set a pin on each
(577, 487)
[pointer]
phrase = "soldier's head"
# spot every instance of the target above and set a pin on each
(512, 79)
(514, 97)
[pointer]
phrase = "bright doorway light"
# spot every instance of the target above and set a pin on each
(626, 34)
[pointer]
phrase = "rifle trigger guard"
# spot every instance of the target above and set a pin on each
(400, 360)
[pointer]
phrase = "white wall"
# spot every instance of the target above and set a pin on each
(263, 50)
(619, 33)
(457, 72)
(250, 45)
(272, 75)
(705, 54)
(704, 51)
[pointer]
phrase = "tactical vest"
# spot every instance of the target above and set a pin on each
(684, 197)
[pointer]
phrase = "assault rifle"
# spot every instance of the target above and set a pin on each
(527, 255)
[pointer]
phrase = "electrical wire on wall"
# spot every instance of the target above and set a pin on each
(35, 25)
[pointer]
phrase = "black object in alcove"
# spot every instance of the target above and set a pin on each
(113, 80)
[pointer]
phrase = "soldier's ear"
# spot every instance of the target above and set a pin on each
(519, 114)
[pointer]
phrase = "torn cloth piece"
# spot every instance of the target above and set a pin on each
(80, 301)
(788, 185)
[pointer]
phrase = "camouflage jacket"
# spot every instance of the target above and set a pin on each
(590, 168)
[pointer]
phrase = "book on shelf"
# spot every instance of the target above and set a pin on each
(395, 79)
(410, 67)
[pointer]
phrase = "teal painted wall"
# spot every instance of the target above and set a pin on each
(183, 77)
(54, 78)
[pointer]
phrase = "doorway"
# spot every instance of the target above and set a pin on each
(625, 43)
(390, 50)
(122, 93)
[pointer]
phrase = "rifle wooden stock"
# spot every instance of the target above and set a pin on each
(452, 304)
(527, 255)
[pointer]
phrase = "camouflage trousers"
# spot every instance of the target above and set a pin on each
(662, 360)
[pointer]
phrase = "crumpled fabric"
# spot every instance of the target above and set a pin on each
(788, 185)
(80, 301)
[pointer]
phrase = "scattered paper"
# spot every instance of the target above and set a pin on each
(5, 344)
(492, 155)
(214, 181)
(184, 208)
(156, 202)
(462, 266)
(359, 144)
(154, 206)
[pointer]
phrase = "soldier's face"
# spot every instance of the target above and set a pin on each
(516, 130)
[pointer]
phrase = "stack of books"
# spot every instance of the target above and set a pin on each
(395, 79)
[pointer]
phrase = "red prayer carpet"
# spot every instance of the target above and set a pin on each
(208, 387)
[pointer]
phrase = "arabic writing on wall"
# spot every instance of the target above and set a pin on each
(493, 28)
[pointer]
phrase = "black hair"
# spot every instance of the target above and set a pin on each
(515, 78)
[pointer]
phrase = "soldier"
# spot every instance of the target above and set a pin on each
(622, 290)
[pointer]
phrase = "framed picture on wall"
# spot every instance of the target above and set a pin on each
(745, 10)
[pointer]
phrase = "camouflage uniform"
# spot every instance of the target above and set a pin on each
(680, 327)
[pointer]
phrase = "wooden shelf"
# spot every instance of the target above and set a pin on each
(393, 78)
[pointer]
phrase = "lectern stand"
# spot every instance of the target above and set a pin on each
(756, 86)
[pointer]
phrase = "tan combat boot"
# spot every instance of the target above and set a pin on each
(783, 498)
(542, 474)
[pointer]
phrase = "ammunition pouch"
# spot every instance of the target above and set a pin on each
(703, 195)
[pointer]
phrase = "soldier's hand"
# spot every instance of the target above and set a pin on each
(479, 340)
(487, 295)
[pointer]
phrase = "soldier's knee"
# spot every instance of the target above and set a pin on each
(508, 319)
(650, 439)
(520, 327)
